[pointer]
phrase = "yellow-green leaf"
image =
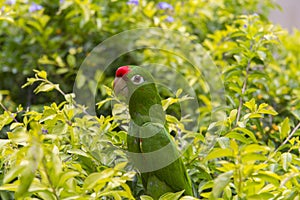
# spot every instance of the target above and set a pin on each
(120, 166)
(270, 112)
(269, 176)
(44, 87)
(232, 115)
(251, 105)
(173, 196)
(284, 128)
(255, 115)
(286, 159)
(95, 178)
(188, 198)
(145, 197)
(218, 153)
(238, 136)
(247, 132)
(13, 173)
(220, 183)
(42, 74)
(15, 125)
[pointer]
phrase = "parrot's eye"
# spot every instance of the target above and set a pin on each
(137, 79)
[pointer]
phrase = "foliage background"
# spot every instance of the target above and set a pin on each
(52, 149)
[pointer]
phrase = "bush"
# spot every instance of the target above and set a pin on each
(246, 147)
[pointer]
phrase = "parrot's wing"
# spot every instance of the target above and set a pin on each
(174, 173)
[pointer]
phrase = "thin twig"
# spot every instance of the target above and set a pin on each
(50, 83)
(284, 142)
(4, 108)
(49, 179)
(243, 92)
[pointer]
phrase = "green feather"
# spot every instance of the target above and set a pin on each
(150, 145)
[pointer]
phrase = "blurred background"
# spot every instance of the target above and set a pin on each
(289, 16)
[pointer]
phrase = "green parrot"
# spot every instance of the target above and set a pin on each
(150, 146)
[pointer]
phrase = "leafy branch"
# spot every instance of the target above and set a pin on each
(288, 138)
(45, 85)
(243, 92)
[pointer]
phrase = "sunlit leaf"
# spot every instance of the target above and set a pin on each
(238, 136)
(269, 177)
(169, 195)
(248, 133)
(286, 159)
(218, 153)
(220, 183)
(284, 128)
(98, 178)
(13, 173)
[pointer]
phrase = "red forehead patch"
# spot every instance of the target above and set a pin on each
(121, 71)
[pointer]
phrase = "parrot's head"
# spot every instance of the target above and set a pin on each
(129, 78)
(136, 86)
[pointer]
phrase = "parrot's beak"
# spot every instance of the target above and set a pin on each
(120, 87)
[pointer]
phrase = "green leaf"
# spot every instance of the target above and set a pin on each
(247, 132)
(188, 198)
(284, 128)
(69, 97)
(269, 176)
(79, 152)
(236, 89)
(48, 117)
(3, 92)
(173, 196)
(42, 74)
(80, 80)
(15, 125)
(26, 179)
(167, 102)
(44, 87)
(3, 142)
(227, 194)
(206, 186)
(145, 197)
(178, 93)
(262, 196)
(251, 105)
(98, 178)
(30, 81)
(46, 61)
(59, 61)
(13, 173)
(253, 157)
(262, 55)
(220, 183)
(286, 159)
(218, 153)
(10, 187)
(71, 60)
(255, 148)
(120, 166)
(35, 24)
(223, 142)
(7, 18)
(238, 136)
(66, 176)
(296, 113)
(262, 106)
(6, 118)
(269, 112)
(255, 115)
(101, 103)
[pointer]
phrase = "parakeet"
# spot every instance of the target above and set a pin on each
(149, 144)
